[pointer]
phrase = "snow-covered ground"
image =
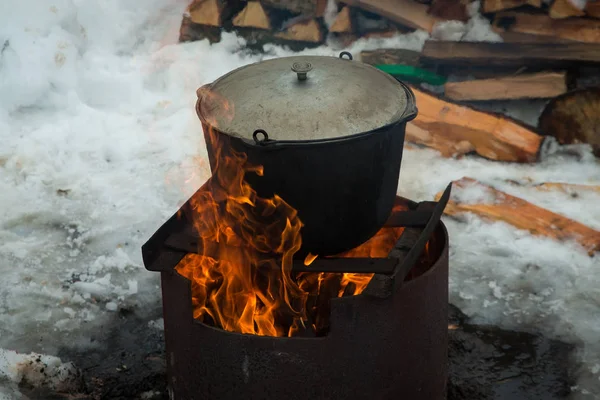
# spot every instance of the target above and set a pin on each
(100, 144)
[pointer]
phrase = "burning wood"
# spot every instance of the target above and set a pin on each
(454, 129)
(496, 205)
(524, 86)
(242, 279)
(574, 118)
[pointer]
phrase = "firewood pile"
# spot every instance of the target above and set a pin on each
(545, 45)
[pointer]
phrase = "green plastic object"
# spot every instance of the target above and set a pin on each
(410, 73)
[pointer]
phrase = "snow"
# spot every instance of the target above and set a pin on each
(101, 144)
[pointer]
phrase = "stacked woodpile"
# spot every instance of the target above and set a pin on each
(300, 23)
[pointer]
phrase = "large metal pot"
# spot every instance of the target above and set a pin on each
(329, 133)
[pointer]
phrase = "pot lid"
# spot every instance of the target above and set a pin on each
(303, 98)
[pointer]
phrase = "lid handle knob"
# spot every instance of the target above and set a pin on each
(302, 69)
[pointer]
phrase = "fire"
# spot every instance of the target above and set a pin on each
(242, 279)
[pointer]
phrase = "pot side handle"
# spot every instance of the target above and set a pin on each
(411, 110)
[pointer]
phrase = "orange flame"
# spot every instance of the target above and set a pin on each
(241, 278)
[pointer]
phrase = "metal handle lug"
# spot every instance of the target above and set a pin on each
(347, 54)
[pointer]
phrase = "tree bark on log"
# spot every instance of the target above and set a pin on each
(391, 56)
(491, 6)
(592, 9)
(576, 29)
(535, 55)
(501, 206)
(405, 12)
(308, 7)
(452, 10)
(573, 118)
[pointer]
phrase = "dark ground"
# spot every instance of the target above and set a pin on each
(485, 363)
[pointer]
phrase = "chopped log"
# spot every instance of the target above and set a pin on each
(495, 205)
(308, 7)
(491, 6)
(525, 86)
(575, 29)
(571, 189)
(342, 22)
(366, 22)
(446, 146)
(305, 31)
(535, 55)
(573, 118)
(405, 12)
(391, 56)
(592, 9)
(321, 8)
(252, 16)
(206, 12)
(451, 10)
(564, 9)
(440, 123)
(516, 37)
(190, 32)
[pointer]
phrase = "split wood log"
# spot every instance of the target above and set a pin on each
(451, 10)
(572, 189)
(516, 37)
(535, 55)
(391, 56)
(592, 9)
(456, 129)
(190, 32)
(564, 9)
(573, 117)
(491, 6)
(252, 16)
(405, 12)
(342, 22)
(525, 86)
(569, 188)
(496, 205)
(575, 29)
(446, 146)
(206, 12)
(346, 39)
(304, 31)
(308, 7)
